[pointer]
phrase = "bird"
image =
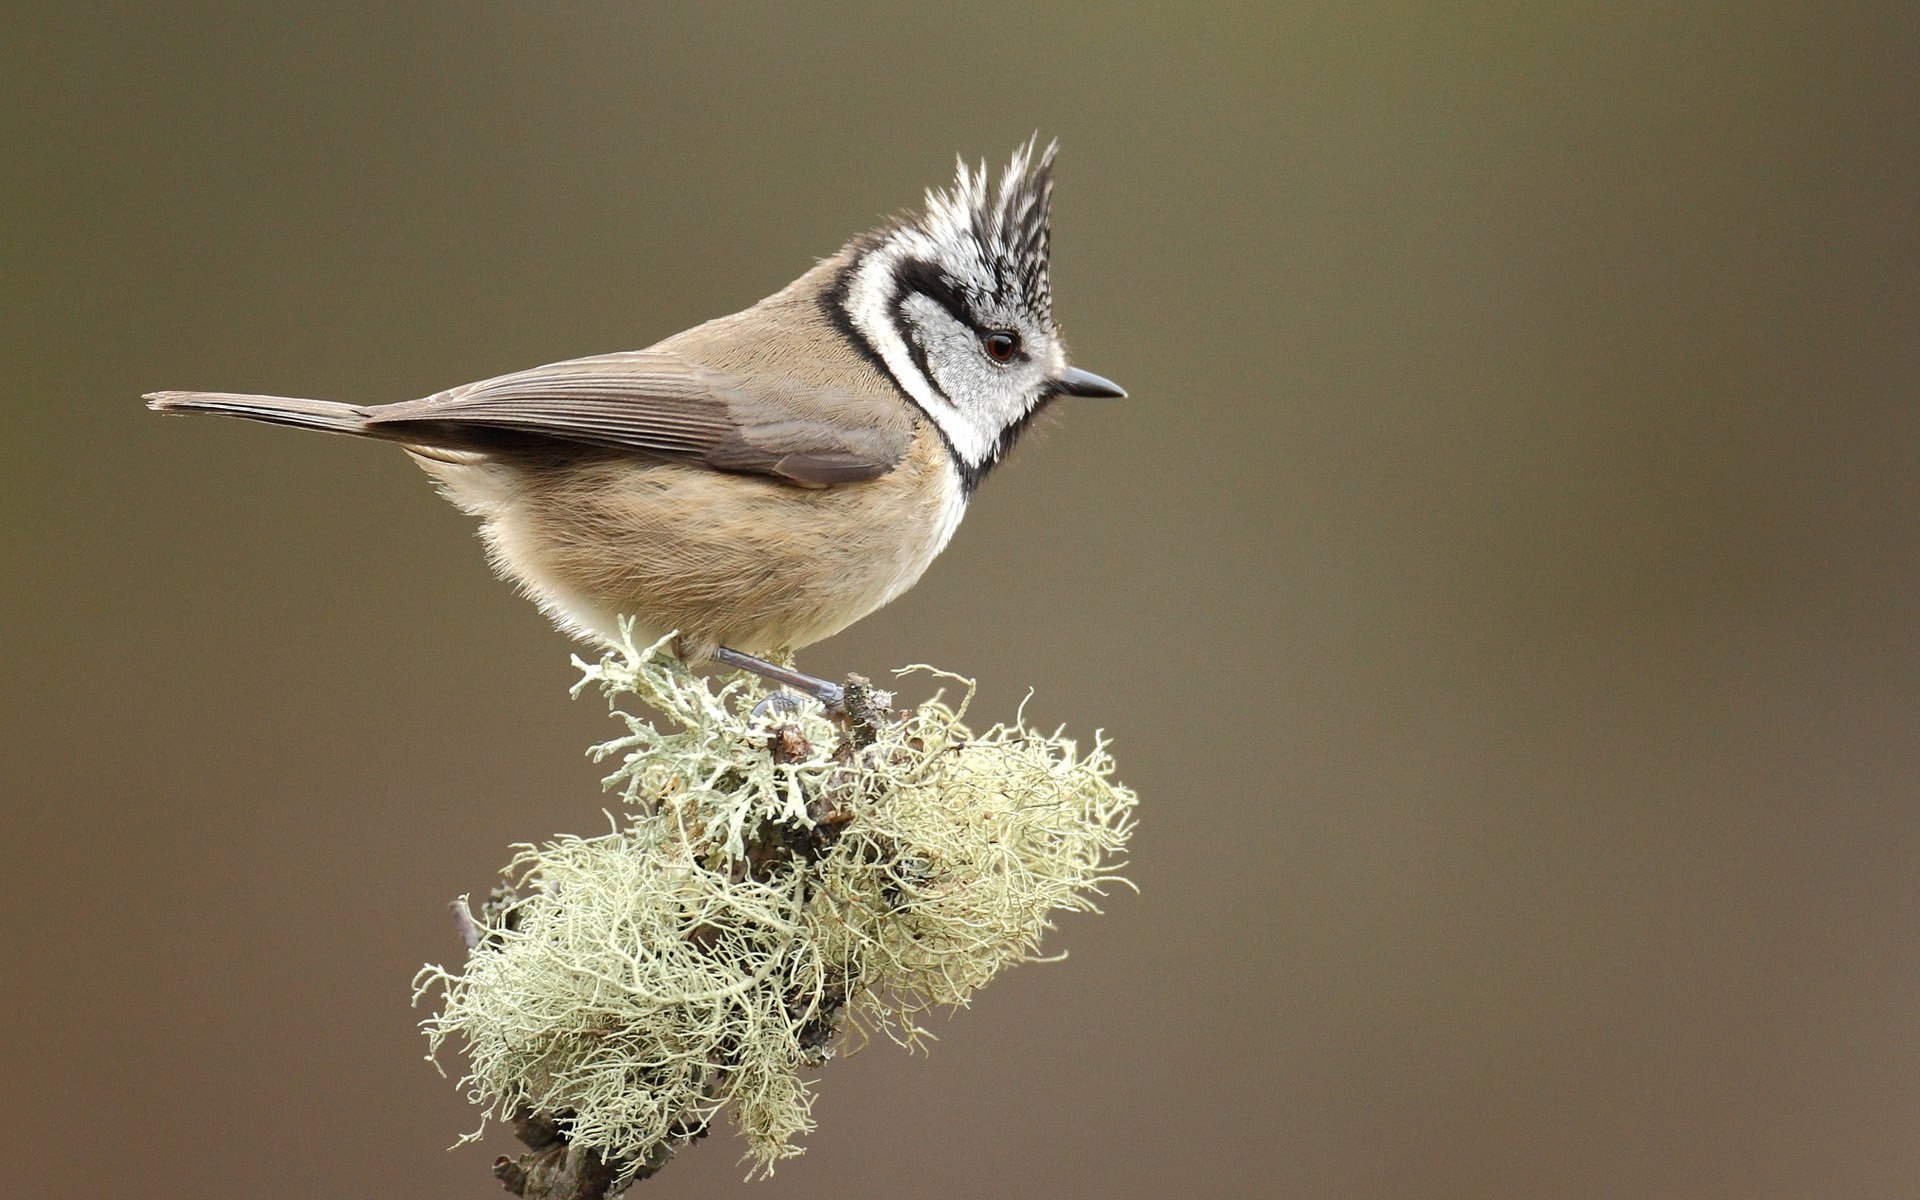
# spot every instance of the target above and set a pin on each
(761, 481)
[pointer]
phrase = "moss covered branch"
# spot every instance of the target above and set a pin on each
(772, 881)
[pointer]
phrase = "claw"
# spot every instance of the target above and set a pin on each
(781, 703)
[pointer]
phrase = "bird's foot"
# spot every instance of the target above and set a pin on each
(831, 696)
(778, 704)
(861, 707)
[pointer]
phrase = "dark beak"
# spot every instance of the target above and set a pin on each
(1075, 382)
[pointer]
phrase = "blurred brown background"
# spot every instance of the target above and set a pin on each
(1502, 586)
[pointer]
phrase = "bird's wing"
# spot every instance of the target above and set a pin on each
(659, 403)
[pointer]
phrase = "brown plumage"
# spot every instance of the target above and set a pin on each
(757, 564)
(763, 480)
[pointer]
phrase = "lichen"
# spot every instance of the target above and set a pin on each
(768, 881)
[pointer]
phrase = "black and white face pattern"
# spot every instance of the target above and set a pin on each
(957, 306)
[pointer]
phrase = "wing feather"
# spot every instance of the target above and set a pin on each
(658, 403)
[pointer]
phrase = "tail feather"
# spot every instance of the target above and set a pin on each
(329, 416)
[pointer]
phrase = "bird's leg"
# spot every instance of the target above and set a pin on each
(831, 695)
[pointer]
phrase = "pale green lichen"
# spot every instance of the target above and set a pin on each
(703, 953)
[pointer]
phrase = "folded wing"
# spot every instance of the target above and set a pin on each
(658, 403)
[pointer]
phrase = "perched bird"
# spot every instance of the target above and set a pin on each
(764, 480)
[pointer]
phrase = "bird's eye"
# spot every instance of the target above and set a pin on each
(1001, 345)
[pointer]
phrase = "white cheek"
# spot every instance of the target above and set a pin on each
(992, 397)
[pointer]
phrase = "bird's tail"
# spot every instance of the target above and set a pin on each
(329, 416)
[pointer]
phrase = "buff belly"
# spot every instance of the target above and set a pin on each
(724, 559)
